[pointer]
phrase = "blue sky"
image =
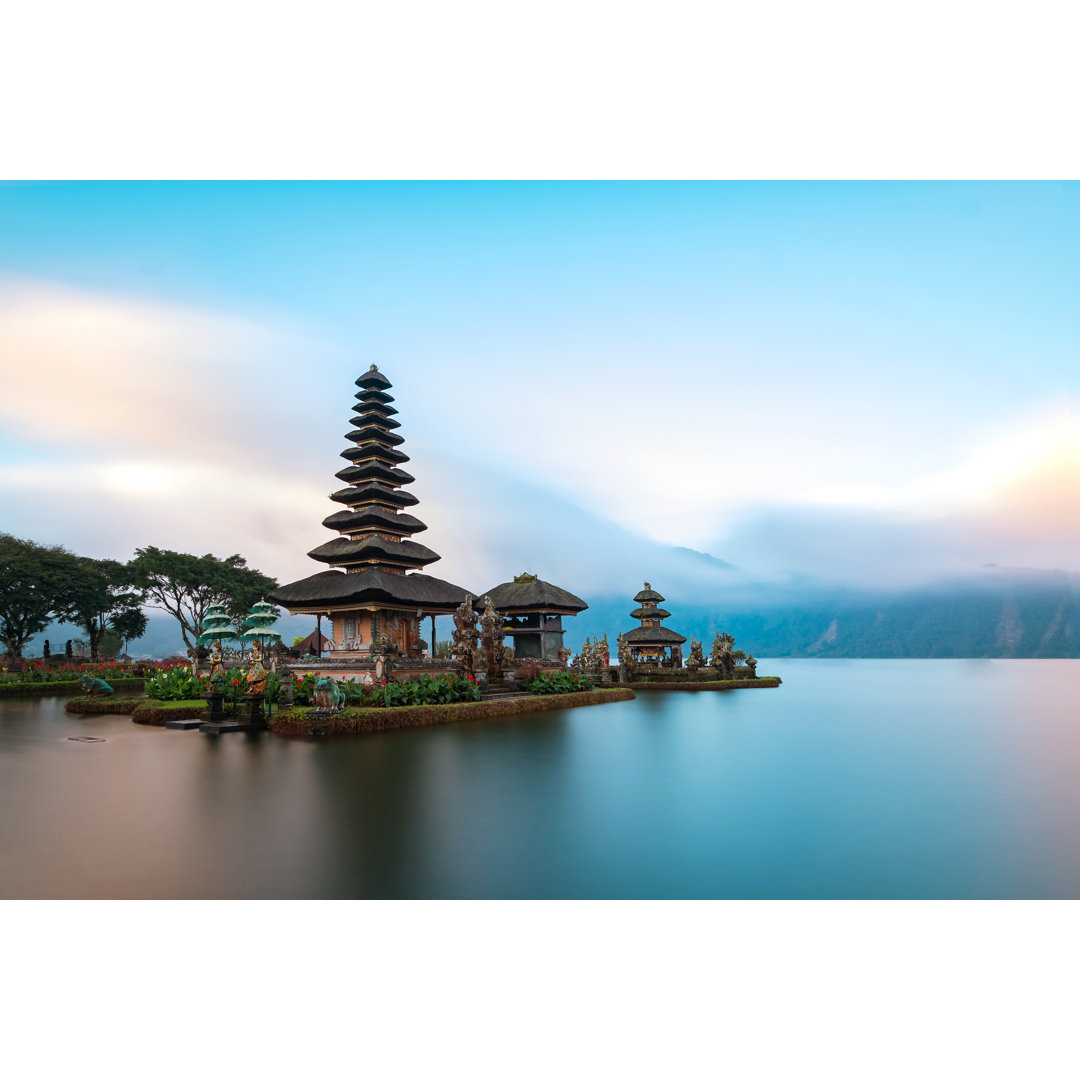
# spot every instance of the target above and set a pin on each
(787, 375)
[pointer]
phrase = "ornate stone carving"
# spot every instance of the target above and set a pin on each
(465, 636)
(721, 658)
(586, 658)
(603, 655)
(329, 694)
(697, 658)
(491, 639)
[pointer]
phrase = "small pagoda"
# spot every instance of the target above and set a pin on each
(373, 593)
(652, 643)
(532, 613)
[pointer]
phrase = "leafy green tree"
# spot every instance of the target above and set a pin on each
(31, 583)
(96, 595)
(186, 585)
(128, 624)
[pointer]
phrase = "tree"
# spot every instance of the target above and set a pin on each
(97, 597)
(186, 585)
(31, 581)
(129, 624)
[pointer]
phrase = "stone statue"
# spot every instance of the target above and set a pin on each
(564, 655)
(603, 655)
(95, 687)
(216, 678)
(587, 661)
(491, 638)
(751, 667)
(256, 676)
(697, 658)
(465, 636)
(328, 694)
(721, 658)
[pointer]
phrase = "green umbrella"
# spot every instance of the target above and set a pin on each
(258, 626)
(216, 626)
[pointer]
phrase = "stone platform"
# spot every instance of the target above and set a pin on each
(224, 727)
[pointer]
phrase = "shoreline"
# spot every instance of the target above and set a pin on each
(762, 681)
(293, 720)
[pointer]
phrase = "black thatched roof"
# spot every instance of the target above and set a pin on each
(373, 379)
(373, 546)
(376, 408)
(520, 597)
(369, 416)
(372, 395)
(374, 470)
(653, 635)
(648, 593)
(362, 493)
(335, 588)
(373, 450)
(373, 517)
(644, 612)
(370, 433)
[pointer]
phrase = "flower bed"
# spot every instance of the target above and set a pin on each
(296, 721)
(558, 682)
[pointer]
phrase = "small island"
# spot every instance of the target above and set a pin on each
(506, 654)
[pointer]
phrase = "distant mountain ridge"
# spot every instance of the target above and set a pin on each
(1027, 614)
(1000, 612)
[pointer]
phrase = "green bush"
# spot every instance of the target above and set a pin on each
(427, 690)
(559, 682)
(176, 684)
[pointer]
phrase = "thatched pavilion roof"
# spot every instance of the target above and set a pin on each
(528, 594)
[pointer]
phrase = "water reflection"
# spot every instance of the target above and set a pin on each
(855, 779)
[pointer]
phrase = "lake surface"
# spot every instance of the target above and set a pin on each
(855, 779)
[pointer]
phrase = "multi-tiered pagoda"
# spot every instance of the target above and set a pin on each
(652, 642)
(370, 593)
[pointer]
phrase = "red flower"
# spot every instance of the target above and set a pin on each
(384, 682)
(236, 682)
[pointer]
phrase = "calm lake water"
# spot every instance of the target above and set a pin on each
(855, 779)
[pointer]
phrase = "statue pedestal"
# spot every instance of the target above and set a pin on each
(253, 713)
(251, 719)
(216, 701)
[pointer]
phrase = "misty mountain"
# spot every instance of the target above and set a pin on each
(996, 614)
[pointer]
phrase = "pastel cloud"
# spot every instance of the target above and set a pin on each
(140, 422)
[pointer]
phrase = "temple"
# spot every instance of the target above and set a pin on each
(532, 613)
(373, 593)
(651, 642)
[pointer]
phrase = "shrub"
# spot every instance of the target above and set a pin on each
(173, 684)
(559, 682)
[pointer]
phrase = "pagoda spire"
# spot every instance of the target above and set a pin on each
(373, 530)
(369, 585)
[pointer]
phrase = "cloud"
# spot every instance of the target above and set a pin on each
(139, 423)
(92, 373)
(129, 422)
